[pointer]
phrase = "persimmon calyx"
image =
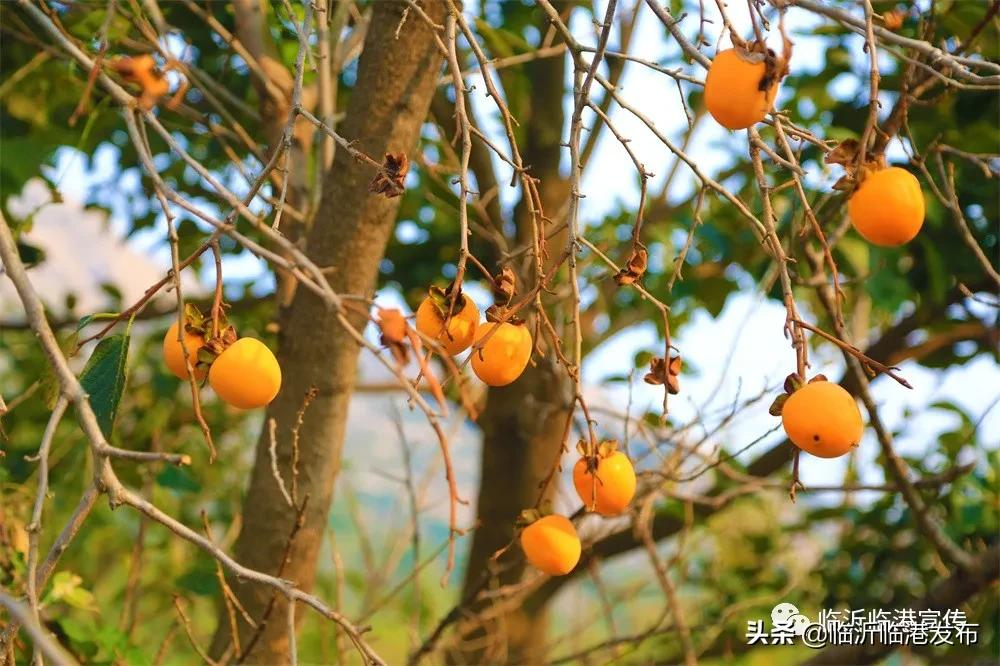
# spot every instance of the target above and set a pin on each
(442, 300)
(528, 516)
(661, 372)
(497, 314)
(605, 449)
(504, 285)
(197, 323)
(793, 383)
(847, 153)
(775, 66)
(635, 268)
(389, 181)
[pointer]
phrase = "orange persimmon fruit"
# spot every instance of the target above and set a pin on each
(504, 356)
(461, 328)
(143, 71)
(615, 483)
(173, 353)
(246, 374)
(551, 545)
(823, 419)
(736, 93)
(887, 208)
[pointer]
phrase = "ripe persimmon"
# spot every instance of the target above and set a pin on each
(461, 329)
(246, 374)
(823, 419)
(173, 353)
(737, 92)
(551, 545)
(615, 482)
(887, 208)
(504, 356)
(143, 71)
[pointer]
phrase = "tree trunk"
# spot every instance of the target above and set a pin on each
(523, 424)
(396, 80)
(523, 427)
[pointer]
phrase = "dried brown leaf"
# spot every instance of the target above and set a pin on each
(392, 324)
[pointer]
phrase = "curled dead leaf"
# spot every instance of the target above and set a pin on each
(425, 370)
(389, 181)
(392, 325)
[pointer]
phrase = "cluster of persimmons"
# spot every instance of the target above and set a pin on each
(885, 205)
(501, 348)
(243, 372)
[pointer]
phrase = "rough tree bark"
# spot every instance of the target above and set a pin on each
(523, 424)
(396, 80)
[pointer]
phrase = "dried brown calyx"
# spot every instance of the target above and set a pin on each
(664, 373)
(793, 383)
(604, 450)
(447, 302)
(504, 286)
(497, 313)
(847, 153)
(389, 181)
(775, 66)
(635, 268)
(201, 325)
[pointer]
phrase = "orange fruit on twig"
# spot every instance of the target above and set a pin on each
(461, 328)
(246, 374)
(823, 419)
(551, 545)
(610, 490)
(173, 353)
(887, 208)
(143, 71)
(741, 86)
(504, 356)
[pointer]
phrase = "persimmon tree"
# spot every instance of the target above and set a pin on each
(444, 152)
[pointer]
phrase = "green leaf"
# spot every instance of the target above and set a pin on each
(84, 321)
(178, 479)
(199, 580)
(104, 379)
(30, 254)
(66, 587)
